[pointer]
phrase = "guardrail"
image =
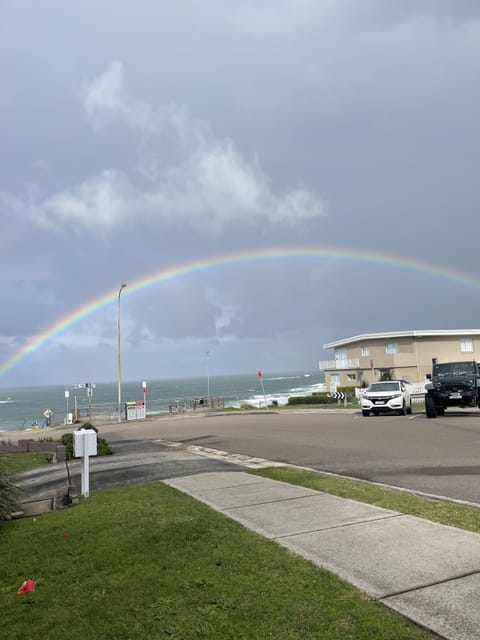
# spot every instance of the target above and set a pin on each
(349, 363)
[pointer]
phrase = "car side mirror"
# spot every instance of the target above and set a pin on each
(428, 376)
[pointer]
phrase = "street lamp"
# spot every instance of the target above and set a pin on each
(119, 360)
(207, 355)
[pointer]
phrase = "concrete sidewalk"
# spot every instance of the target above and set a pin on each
(428, 572)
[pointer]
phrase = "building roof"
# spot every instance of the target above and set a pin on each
(365, 337)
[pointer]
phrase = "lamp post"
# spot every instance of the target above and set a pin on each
(207, 355)
(119, 358)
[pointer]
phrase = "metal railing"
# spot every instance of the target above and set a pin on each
(349, 363)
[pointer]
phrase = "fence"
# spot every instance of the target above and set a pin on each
(99, 413)
(416, 389)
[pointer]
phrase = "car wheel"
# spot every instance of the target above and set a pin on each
(403, 410)
(430, 408)
(441, 411)
(375, 413)
(365, 413)
(409, 408)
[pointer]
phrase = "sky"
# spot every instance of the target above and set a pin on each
(140, 137)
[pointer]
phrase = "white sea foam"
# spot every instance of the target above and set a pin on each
(258, 399)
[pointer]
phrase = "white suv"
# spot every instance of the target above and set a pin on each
(391, 395)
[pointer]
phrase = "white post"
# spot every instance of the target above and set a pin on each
(260, 375)
(208, 375)
(144, 387)
(85, 476)
(67, 395)
(119, 366)
(264, 396)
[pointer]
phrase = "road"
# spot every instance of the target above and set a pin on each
(440, 457)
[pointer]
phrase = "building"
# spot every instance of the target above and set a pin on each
(404, 355)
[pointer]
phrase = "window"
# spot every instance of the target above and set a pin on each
(391, 348)
(365, 351)
(351, 376)
(466, 345)
(340, 354)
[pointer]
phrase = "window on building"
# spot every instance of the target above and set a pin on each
(340, 354)
(365, 351)
(351, 376)
(466, 345)
(391, 348)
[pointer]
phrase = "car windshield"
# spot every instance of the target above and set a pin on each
(454, 369)
(383, 386)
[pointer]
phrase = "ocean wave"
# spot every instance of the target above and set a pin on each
(6, 401)
(284, 378)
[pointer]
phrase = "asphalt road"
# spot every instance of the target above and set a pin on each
(440, 457)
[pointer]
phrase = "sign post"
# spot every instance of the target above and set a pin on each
(84, 446)
(260, 375)
(144, 389)
(67, 396)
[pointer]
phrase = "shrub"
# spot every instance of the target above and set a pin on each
(9, 493)
(316, 398)
(103, 448)
(350, 393)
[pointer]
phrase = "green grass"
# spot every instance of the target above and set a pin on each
(18, 462)
(149, 563)
(455, 515)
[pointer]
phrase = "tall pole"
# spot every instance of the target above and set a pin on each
(208, 374)
(119, 357)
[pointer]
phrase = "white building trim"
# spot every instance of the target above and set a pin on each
(402, 334)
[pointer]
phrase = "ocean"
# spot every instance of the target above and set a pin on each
(24, 407)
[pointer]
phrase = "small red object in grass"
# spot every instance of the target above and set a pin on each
(26, 587)
(65, 534)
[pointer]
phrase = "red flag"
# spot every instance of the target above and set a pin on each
(260, 374)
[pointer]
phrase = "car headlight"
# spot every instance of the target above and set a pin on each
(397, 395)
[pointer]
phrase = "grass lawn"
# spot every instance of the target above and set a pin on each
(455, 515)
(147, 562)
(18, 462)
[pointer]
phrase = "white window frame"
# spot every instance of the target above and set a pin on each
(365, 351)
(341, 354)
(391, 348)
(466, 345)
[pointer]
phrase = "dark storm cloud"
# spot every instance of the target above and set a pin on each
(177, 131)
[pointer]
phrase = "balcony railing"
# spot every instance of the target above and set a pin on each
(349, 363)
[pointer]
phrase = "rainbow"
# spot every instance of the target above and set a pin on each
(248, 256)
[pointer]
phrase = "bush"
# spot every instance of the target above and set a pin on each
(103, 448)
(10, 494)
(316, 398)
(350, 393)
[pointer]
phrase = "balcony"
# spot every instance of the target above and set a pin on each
(349, 363)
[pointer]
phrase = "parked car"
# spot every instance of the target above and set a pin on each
(391, 395)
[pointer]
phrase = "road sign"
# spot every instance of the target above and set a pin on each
(48, 413)
(338, 395)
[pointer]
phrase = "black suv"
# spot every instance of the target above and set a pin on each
(452, 384)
